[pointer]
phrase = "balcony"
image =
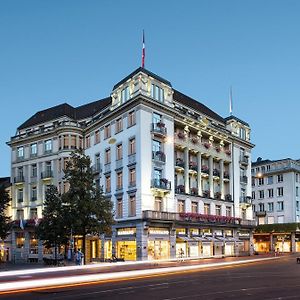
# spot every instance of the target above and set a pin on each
(159, 156)
(180, 189)
(245, 201)
(216, 173)
(217, 195)
(192, 217)
(193, 166)
(47, 175)
(262, 213)
(205, 170)
(226, 175)
(96, 168)
(179, 163)
(244, 160)
(161, 186)
(19, 179)
(244, 179)
(228, 198)
(194, 191)
(159, 129)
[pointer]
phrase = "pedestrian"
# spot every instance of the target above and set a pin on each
(78, 257)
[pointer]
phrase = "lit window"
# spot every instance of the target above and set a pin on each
(194, 207)
(181, 206)
(206, 208)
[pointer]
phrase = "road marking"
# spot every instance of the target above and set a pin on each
(25, 276)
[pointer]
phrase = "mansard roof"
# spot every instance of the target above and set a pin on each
(75, 113)
(192, 103)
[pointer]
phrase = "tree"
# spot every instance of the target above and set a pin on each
(52, 229)
(90, 211)
(4, 219)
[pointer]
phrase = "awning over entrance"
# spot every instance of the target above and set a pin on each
(184, 239)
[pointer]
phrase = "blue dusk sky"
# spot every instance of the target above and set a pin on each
(75, 51)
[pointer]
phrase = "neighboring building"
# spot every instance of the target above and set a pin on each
(275, 198)
(5, 246)
(177, 172)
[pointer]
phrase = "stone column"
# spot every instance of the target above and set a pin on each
(186, 171)
(211, 178)
(222, 178)
(199, 178)
(251, 243)
(293, 242)
(271, 242)
(142, 241)
(172, 243)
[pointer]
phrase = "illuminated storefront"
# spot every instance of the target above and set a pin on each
(158, 243)
(107, 249)
(262, 243)
(282, 242)
(126, 243)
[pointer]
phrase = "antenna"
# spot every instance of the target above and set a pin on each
(230, 102)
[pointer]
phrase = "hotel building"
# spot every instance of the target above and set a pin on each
(177, 173)
(275, 198)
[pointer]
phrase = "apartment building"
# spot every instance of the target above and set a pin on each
(177, 172)
(275, 198)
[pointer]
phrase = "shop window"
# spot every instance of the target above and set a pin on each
(20, 240)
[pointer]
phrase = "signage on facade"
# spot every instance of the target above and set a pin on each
(158, 231)
(126, 231)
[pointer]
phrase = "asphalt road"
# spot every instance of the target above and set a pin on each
(265, 280)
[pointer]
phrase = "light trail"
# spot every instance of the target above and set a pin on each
(62, 282)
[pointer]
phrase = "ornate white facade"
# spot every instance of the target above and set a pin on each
(177, 173)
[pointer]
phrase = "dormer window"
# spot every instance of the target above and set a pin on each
(125, 95)
(157, 93)
(242, 133)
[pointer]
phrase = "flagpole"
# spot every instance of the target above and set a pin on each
(230, 102)
(143, 51)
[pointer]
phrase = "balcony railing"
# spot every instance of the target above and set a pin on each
(179, 189)
(261, 213)
(162, 184)
(228, 198)
(96, 168)
(226, 175)
(179, 162)
(216, 172)
(244, 159)
(159, 128)
(47, 174)
(244, 179)
(19, 179)
(195, 218)
(245, 200)
(158, 156)
(193, 166)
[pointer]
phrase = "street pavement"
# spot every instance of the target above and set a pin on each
(215, 282)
